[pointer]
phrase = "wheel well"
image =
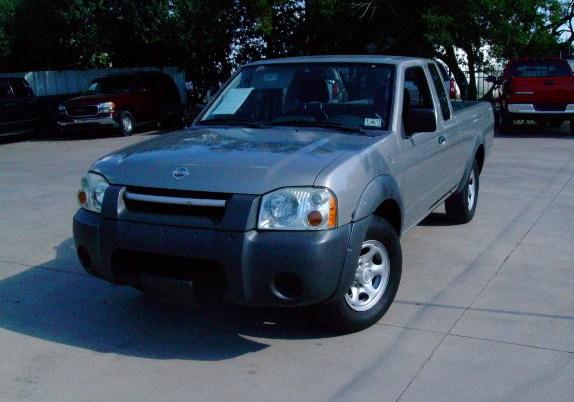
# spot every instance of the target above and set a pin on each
(480, 158)
(391, 212)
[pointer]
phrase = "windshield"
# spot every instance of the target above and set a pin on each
(352, 95)
(111, 85)
(541, 69)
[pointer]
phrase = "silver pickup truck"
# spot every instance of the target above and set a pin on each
(291, 188)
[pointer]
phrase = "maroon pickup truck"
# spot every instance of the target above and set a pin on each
(536, 89)
(124, 102)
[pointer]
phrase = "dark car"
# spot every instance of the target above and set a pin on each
(18, 107)
(539, 89)
(124, 102)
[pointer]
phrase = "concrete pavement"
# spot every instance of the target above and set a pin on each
(485, 311)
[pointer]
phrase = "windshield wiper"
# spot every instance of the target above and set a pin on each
(320, 124)
(233, 121)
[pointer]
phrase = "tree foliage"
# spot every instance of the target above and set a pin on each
(210, 37)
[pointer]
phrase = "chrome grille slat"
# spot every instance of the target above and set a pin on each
(160, 199)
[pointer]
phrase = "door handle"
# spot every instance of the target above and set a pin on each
(442, 140)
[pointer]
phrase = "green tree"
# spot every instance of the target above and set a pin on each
(7, 8)
(487, 30)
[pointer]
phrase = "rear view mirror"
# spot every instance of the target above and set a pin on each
(420, 121)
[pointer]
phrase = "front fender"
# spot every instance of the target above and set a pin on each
(379, 190)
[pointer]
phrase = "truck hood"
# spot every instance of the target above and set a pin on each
(230, 160)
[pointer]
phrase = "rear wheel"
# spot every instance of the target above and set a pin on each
(461, 206)
(126, 123)
(374, 286)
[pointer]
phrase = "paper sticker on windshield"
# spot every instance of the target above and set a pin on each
(378, 123)
(232, 101)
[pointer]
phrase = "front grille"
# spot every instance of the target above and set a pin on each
(175, 202)
(550, 107)
(128, 265)
(81, 111)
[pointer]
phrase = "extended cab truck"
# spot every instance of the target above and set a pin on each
(536, 89)
(280, 194)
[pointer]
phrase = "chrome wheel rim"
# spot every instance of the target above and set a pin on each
(471, 191)
(371, 277)
(127, 124)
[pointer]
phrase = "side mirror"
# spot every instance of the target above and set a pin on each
(420, 121)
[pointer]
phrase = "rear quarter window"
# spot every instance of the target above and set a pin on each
(442, 96)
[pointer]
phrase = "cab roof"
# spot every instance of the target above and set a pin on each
(379, 59)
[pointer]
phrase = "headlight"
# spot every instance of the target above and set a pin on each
(91, 196)
(61, 108)
(298, 208)
(106, 107)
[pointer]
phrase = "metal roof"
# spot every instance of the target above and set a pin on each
(336, 59)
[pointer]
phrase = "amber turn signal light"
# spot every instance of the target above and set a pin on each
(82, 197)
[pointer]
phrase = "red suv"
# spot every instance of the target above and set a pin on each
(536, 89)
(124, 102)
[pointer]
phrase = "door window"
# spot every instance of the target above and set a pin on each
(417, 99)
(21, 88)
(5, 90)
(417, 91)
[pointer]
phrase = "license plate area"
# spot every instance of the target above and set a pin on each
(167, 289)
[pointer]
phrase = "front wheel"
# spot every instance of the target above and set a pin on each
(375, 283)
(461, 206)
(126, 123)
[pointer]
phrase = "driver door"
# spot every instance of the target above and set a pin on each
(420, 151)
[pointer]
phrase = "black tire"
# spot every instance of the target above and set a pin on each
(571, 127)
(458, 207)
(126, 123)
(506, 123)
(338, 315)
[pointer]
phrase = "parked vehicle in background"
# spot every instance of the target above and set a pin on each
(124, 102)
(18, 107)
(277, 196)
(450, 85)
(336, 86)
(539, 89)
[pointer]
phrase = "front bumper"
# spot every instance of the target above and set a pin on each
(253, 262)
(95, 121)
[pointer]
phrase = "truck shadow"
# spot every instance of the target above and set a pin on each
(437, 219)
(64, 305)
